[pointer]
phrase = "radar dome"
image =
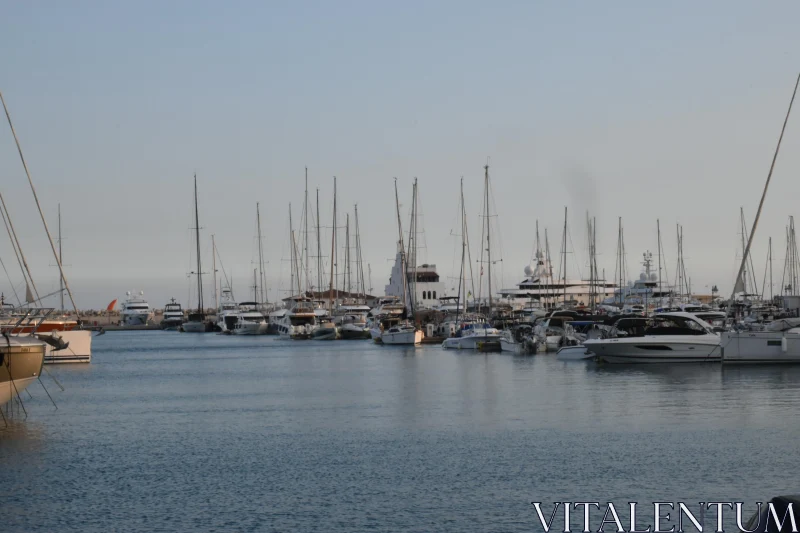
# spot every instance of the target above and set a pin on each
(528, 270)
(642, 277)
(653, 276)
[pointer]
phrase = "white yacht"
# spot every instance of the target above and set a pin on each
(404, 333)
(299, 319)
(388, 313)
(352, 321)
(135, 311)
(173, 316)
(670, 338)
(228, 311)
(249, 320)
(541, 290)
(470, 335)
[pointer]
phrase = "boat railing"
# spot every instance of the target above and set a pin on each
(28, 321)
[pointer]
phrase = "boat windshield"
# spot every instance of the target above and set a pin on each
(667, 325)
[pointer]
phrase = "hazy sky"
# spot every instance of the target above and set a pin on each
(642, 110)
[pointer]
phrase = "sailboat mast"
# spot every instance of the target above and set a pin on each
(766, 185)
(319, 249)
(463, 276)
(292, 251)
(260, 256)
(401, 246)
(255, 285)
(61, 259)
(362, 289)
(197, 241)
(658, 229)
(347, 253)
(564, 245)
(488, 238)
(214, 270)
(771, 296)
(333, 249)
(305, 235)
(414, 248)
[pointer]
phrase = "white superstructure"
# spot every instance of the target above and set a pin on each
(249, 320)
(428, 288)
(542, 289)
(135, 311)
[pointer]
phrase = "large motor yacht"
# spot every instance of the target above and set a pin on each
(669, 338)
(135, 311)
(300, 319)
(173, 316)
(228, 311)
(249, 321)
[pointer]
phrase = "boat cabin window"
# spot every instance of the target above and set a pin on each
(137, 307)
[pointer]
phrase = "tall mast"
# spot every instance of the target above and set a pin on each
(550, 288)
(197, 241)
(401, 247)
(214, 270)
(359, 262)
(319, 250)
(488, 238)
(564, 245)
(347, 253)
(766, 186)
(463, 276)
(333, 249)
(744, 247)
(255, 285)
(413, 251)
(260, 256)
(305, 234)
(369, 269)
(61, 259)
(293, 254)
(771, 296)
(658, 229)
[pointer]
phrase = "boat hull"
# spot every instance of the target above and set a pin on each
(250, 328)
(402, 337)
(135, 319)
(353, 332)
(468, 343)
(194, 327)
(760, 347)
(510, 346)
(21, 366)
(325, 334)
(78, 350)
(657, 349)
(574, 353)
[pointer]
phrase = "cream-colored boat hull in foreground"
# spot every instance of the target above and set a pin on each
(22, 360)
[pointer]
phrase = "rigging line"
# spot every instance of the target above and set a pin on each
(41, 213)
(10, 282)
(23, 264)
(47, 392)
(54, 379)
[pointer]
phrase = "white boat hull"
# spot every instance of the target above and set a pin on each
(764, 347)
(194, 327)
(658, 349)
(250, 328)
(402, 337)
(79, 349)
(468, 343)
(574, 353)
(510, 346)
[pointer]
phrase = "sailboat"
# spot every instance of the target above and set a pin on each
(404, 332)
(351, 315)
(327, 330)
(197, 323)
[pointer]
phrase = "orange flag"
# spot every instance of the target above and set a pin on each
(111, 305)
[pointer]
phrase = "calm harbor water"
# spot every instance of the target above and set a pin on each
(177, 432)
